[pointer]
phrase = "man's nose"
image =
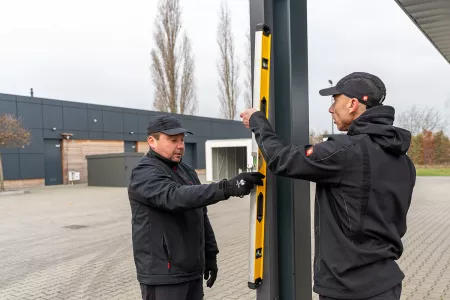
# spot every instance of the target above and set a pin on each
(331, 109)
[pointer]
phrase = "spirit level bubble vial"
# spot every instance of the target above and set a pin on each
(261, 82)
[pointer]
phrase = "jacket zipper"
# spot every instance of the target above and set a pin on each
(166, 252)
(200, 222)
(188, 179)
(318, 236)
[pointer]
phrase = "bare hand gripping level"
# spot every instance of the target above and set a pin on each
(261, 83)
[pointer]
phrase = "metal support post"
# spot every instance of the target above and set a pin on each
(287, 260)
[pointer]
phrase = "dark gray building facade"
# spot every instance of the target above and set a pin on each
(48, 119)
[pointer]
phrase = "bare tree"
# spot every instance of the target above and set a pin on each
(227, 66)
(12, 135)
(172, 62)
(416, 120)
(409, 120)
(248, 72)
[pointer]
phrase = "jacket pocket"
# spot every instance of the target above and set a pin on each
(179, 244)
(166, 252)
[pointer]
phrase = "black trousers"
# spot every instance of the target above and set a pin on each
(191, 290)
(392, 294)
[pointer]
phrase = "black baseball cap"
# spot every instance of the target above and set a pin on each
(367, 88)
(165, 124)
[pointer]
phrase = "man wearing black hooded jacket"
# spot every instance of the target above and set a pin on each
(364, 184)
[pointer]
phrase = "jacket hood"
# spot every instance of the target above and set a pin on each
(377, 122)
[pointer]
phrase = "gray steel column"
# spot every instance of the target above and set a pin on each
(299, 99)
(288, 205)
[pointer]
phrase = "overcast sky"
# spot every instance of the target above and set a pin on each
(99, 51)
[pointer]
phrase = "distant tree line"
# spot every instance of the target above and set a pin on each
(428, 148)
(429, 144)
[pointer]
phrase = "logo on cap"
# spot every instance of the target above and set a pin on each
(365, 98)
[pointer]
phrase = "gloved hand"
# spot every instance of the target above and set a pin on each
(242, 184)
(210, 271)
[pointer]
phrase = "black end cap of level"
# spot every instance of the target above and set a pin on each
(264, 28)
(255, 285)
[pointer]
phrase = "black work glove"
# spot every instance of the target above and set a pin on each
(242, 184)
(210, 271)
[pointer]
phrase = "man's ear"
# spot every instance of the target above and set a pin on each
(353, 105)
(151, 141)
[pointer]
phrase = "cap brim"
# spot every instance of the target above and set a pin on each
(176, 131)
(329, 91)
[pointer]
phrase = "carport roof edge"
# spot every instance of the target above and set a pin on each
(432, 17)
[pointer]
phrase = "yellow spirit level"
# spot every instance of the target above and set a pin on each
(261, 82)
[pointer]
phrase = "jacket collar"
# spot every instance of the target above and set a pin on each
(170, 163)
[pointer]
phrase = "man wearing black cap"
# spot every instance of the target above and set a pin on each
(364, 183)
(173, 241)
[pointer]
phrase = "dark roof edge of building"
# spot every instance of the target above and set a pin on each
(22, 98)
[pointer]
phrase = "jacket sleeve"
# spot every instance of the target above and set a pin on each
(211, 249)
(323, 162)
(154, 188)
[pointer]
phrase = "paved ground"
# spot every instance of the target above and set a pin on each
(41, 258)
